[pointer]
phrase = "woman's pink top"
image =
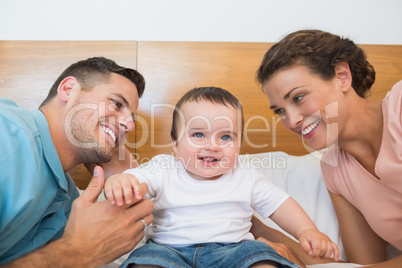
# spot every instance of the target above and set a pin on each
(379, 200)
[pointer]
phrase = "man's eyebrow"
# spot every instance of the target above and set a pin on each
(122, 98)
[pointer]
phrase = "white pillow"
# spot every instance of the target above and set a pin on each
(301, 177)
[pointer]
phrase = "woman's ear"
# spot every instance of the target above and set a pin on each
(65, 88)
(343, 75)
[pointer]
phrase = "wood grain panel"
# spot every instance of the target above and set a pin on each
(387, 62)
(29, 68)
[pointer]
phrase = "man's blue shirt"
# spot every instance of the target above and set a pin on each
(35, 193)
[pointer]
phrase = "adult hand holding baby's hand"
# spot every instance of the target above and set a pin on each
(124, 188)
(98, 232)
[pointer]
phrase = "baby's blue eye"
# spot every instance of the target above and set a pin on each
(226, 137)
(198, 135)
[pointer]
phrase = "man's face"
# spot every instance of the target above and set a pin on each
(101, 118)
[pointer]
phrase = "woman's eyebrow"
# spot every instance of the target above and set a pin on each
(288, 94)
(273, 107)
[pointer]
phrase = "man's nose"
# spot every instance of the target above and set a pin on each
(126, 124)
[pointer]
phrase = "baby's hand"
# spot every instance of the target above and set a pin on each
(317, 244)
(122, 187)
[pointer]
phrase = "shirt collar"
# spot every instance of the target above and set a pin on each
(49, 151)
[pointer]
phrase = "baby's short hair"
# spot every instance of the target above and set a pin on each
(212, 94)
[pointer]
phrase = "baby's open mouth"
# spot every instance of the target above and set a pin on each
(208, 159)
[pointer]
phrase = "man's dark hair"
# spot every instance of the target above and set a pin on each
(94, 71)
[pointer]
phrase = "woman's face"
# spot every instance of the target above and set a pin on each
(306, 104)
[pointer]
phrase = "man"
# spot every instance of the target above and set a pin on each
(84, 119)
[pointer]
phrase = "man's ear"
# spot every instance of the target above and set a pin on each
(65, 88)
(343, 76)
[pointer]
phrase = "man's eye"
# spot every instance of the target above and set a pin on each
(198, 135)
(116, 104)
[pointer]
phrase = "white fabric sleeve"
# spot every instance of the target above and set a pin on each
(266, 197)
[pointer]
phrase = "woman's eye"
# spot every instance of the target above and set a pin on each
(198, 135)
(278, 111)
(298, 98)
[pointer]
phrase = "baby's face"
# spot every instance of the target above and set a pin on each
(209, 139)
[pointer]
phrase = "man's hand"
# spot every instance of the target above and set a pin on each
(101, 232)
(96, 232)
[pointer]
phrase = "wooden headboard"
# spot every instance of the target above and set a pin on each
(29, 68)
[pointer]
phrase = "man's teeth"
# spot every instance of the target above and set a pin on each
(110, 132)
(311, 127)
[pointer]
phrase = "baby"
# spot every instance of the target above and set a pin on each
(204, 201)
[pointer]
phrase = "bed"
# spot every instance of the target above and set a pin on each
(28, 69)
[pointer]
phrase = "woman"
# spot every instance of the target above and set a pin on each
(317, 83)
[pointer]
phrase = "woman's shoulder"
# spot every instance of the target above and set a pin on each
(392, 103)
(397, 86)
(395, 93)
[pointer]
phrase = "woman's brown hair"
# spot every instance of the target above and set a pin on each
(319, 51)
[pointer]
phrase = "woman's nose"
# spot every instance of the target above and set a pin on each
(293, 119)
